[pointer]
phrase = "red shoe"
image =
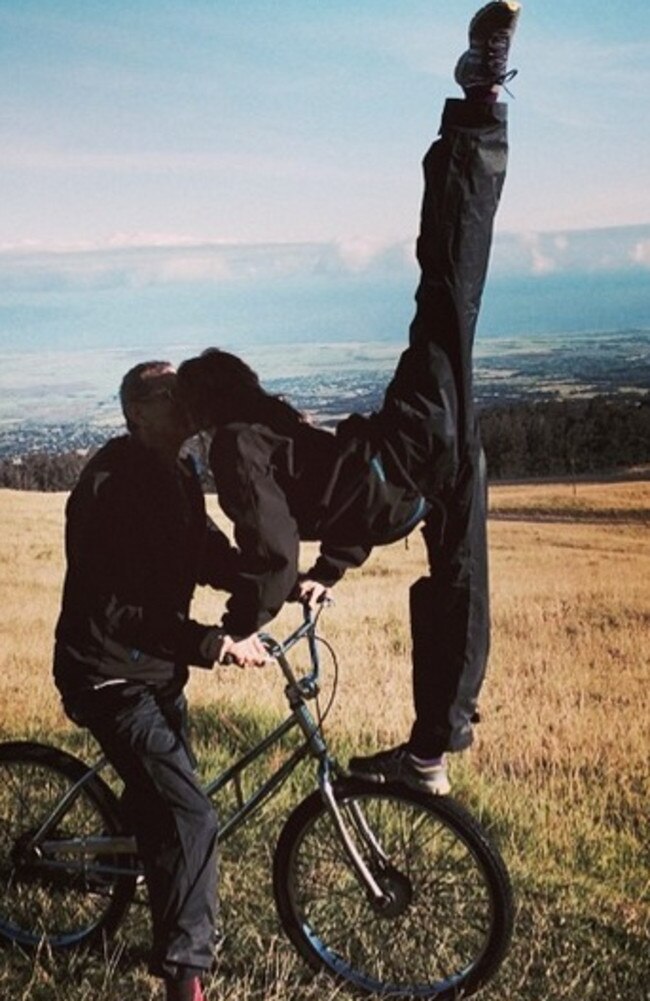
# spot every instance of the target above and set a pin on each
(184, 990)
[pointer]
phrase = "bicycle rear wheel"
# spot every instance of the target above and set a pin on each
(446, 921)
(61, 899)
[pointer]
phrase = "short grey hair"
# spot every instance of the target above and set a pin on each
(140, 382)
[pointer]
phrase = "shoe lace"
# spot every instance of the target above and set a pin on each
(505, 79)
(496, 51)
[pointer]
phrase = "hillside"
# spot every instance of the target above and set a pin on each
(559, 770)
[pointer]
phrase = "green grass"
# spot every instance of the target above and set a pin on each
(580, 929)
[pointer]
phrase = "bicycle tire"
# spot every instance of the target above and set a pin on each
(64, 902)
(450, 922)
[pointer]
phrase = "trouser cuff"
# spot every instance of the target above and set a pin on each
(458, 113)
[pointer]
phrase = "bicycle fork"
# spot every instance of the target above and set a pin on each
(379, 898)
(296, 695)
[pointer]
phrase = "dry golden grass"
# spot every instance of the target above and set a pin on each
(570, 609)
(566, 498)
(31, 575)
(559, 770)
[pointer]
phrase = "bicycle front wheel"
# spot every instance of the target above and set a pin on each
(63, 898)
(445, 920)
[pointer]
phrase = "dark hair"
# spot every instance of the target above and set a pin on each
(219, 388)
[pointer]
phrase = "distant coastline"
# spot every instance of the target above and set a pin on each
(67, 400)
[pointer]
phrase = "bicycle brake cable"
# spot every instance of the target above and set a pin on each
(322, 716)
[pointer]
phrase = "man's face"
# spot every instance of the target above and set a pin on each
(158, 415)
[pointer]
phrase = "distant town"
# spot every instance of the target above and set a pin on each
(565, 372)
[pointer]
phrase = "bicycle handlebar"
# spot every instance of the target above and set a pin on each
(307, 685)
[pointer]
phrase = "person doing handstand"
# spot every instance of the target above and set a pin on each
(417, 460)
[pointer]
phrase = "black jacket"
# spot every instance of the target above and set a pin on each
(346, 490)
(138, 540)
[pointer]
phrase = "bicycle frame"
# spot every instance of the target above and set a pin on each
(298, 692)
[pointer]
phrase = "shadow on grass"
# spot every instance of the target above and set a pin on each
(564, 953)
(560, 953)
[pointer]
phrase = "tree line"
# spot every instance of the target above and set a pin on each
(566, 437)
(521, 440)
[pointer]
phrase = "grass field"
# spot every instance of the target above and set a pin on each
(559, 772)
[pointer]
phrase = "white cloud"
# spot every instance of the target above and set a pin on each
(137, 260)
(540, 263)
(591, 251)
(640, 253)
(358, 253)
(180, 269)
(362, 254)
(527, 253)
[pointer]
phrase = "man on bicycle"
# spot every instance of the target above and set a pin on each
(137, 542)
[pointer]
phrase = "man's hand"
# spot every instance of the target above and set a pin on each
(249, 651)
(310, 593)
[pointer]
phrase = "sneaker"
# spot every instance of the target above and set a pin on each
(485, 63)
(399, 765)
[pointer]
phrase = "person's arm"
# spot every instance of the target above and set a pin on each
(247, 651)
(314, 586)
(220, 562)
(265, 529)
(334, 560)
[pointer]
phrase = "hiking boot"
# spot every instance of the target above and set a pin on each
(399, 765)
(184, 990)
(485, 63)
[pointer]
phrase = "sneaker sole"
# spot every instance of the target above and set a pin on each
(419, 785)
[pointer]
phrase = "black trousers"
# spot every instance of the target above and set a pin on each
(143, 734)
(428, 423)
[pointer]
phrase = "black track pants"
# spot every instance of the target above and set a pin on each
(428, 422)
(450, 618)
(143, 734)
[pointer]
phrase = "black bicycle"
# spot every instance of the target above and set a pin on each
(393, 892)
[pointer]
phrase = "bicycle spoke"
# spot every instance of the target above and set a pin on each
(10, 781)
(434, 921)
(57, 897)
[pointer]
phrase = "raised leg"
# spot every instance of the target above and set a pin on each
(429, 432)
(430, 412)
(427, 420)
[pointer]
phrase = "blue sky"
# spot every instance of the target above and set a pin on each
(138, 138)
